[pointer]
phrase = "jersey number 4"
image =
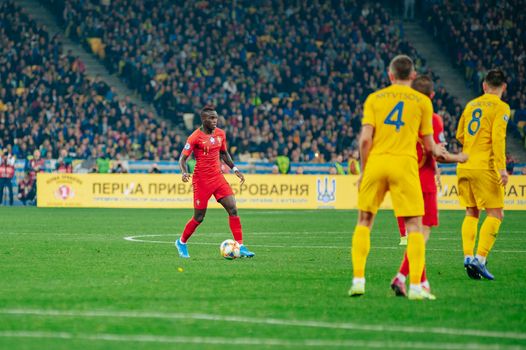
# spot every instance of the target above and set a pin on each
(396, 112)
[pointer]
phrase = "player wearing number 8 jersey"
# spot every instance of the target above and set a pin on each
(393, 118)
(482, 132)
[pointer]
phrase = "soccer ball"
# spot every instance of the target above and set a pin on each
(229, 249)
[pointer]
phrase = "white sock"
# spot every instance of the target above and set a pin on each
(181, 241)
(481, 258)
(415, 288)
(401, 277)
(358, 280)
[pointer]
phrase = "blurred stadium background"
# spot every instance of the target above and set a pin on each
(113, 86)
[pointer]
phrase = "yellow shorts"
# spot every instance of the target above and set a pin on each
(480, 188)
(398, 174)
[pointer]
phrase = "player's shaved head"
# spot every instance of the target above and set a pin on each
(423, 84)
(495, 78)
(208, 109)
(401, 67)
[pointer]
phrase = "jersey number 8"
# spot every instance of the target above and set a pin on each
(475, 119)
(397, 110)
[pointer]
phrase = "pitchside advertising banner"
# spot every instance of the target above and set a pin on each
(258, 192)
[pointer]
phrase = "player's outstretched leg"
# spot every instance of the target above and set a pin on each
(189, 229)
(229, 203)
(402, 230)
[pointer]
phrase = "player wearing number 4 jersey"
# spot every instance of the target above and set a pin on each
(482, 132)
(208, 143)
(393, 118)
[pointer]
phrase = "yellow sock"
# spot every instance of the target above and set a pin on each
(361, 243)
(488, 234)
(416, 254)
(469, 233)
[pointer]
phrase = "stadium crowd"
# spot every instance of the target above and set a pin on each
(481, 34)
(47, 103)
(289, 78)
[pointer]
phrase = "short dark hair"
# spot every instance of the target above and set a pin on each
(495, 78)
(401, 66)
(423, 84)
(208, 108)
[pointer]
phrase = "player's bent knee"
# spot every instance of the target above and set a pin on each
(413, 223)
(473, 211)
(199, 217)
(365, 218)
(495, 212)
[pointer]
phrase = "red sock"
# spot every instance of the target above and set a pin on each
(401, 227)
(235, 227)
(424, 277)
(189, 229)
(404, 268)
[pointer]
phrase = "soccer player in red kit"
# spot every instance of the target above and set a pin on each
(208, 143)
(428, 170)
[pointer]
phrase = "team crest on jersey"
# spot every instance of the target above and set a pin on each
(187, 146)
(212, 140)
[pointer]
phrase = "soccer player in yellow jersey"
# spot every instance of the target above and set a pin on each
(393, 118)
(482, 132)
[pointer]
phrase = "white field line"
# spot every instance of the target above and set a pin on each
(306, 246)
(147, 338)
(375, 328)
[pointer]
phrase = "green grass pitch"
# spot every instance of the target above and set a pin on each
(70, 280)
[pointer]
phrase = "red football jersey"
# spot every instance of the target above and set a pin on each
(206, 148)
(426, 162)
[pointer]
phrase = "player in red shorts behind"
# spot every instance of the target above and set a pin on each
(209, 146)
(428, 170)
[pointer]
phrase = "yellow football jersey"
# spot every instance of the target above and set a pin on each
(398, 114)
(482, 132)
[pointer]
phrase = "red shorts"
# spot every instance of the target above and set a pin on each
(430, 217)
(203, 190)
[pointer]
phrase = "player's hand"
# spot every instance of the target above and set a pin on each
(241, 177)
(440, 151)
(504, 177)
(462, 157)
(186, 177)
